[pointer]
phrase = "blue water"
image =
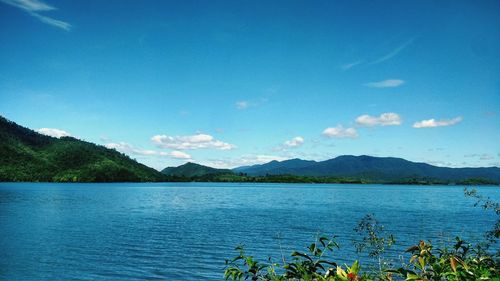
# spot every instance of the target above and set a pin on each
(185, 231)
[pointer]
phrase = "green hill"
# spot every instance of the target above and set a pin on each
(192, 170)
(26, 155)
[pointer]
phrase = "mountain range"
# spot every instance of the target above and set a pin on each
(383, 169)
(26, 155)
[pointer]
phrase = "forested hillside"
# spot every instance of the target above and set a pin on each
(26, 155)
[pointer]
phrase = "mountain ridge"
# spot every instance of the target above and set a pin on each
(26, 155)
(370, 167)
(191, 169)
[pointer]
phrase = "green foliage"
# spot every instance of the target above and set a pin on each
(462, 261)
(314, 264)
(486, 203)
(373, 240)
(233, 177)
(28, 156)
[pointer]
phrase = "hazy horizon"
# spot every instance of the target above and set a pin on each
(233, 83)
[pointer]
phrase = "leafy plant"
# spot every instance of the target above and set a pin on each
(372, 239)
(487, 203)
(462, 263)
(314, 264)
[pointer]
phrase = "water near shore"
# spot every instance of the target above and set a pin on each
(184, 231)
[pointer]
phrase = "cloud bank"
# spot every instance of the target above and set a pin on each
(130, 149)
(198, 141)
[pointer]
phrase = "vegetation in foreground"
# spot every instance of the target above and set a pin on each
(462, 261)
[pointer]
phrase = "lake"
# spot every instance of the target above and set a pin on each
(185, 231)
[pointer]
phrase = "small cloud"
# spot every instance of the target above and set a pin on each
(130, 149)
(242, 104)
(489, 114)
(295, 142)
(179, 155)
(431, 123)
(30, 5)
(34, 7)
(50, 21)
(56, 133)
(184, 112)
(389, 83)
(440, 163)
(385, 119)
(393, 53)
(483, 156)
(198, 141)
(348, 66)
(340, 132)
(245, 160)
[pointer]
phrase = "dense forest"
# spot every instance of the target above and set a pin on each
(26, 155)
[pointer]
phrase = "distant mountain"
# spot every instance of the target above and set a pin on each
(26, 155)
(191, 170)
(378, 169)
(275, 167)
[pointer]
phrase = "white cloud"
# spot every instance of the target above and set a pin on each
(245, 160)
(295, 142)
(33, 7)
(130, 149)
(340, 132)
(431, 123)
(198, 141)
(389, 83)
(179, 155)
(393, 53)
(242, 104)
(348, 66)
(385, 119)
(29, 5)
(50, 21)
(56, 133)
(483, 156)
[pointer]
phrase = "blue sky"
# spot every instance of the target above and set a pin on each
(229, 83)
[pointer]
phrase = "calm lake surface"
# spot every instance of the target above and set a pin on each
(185, 231)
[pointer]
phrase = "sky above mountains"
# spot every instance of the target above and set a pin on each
(231, 83)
